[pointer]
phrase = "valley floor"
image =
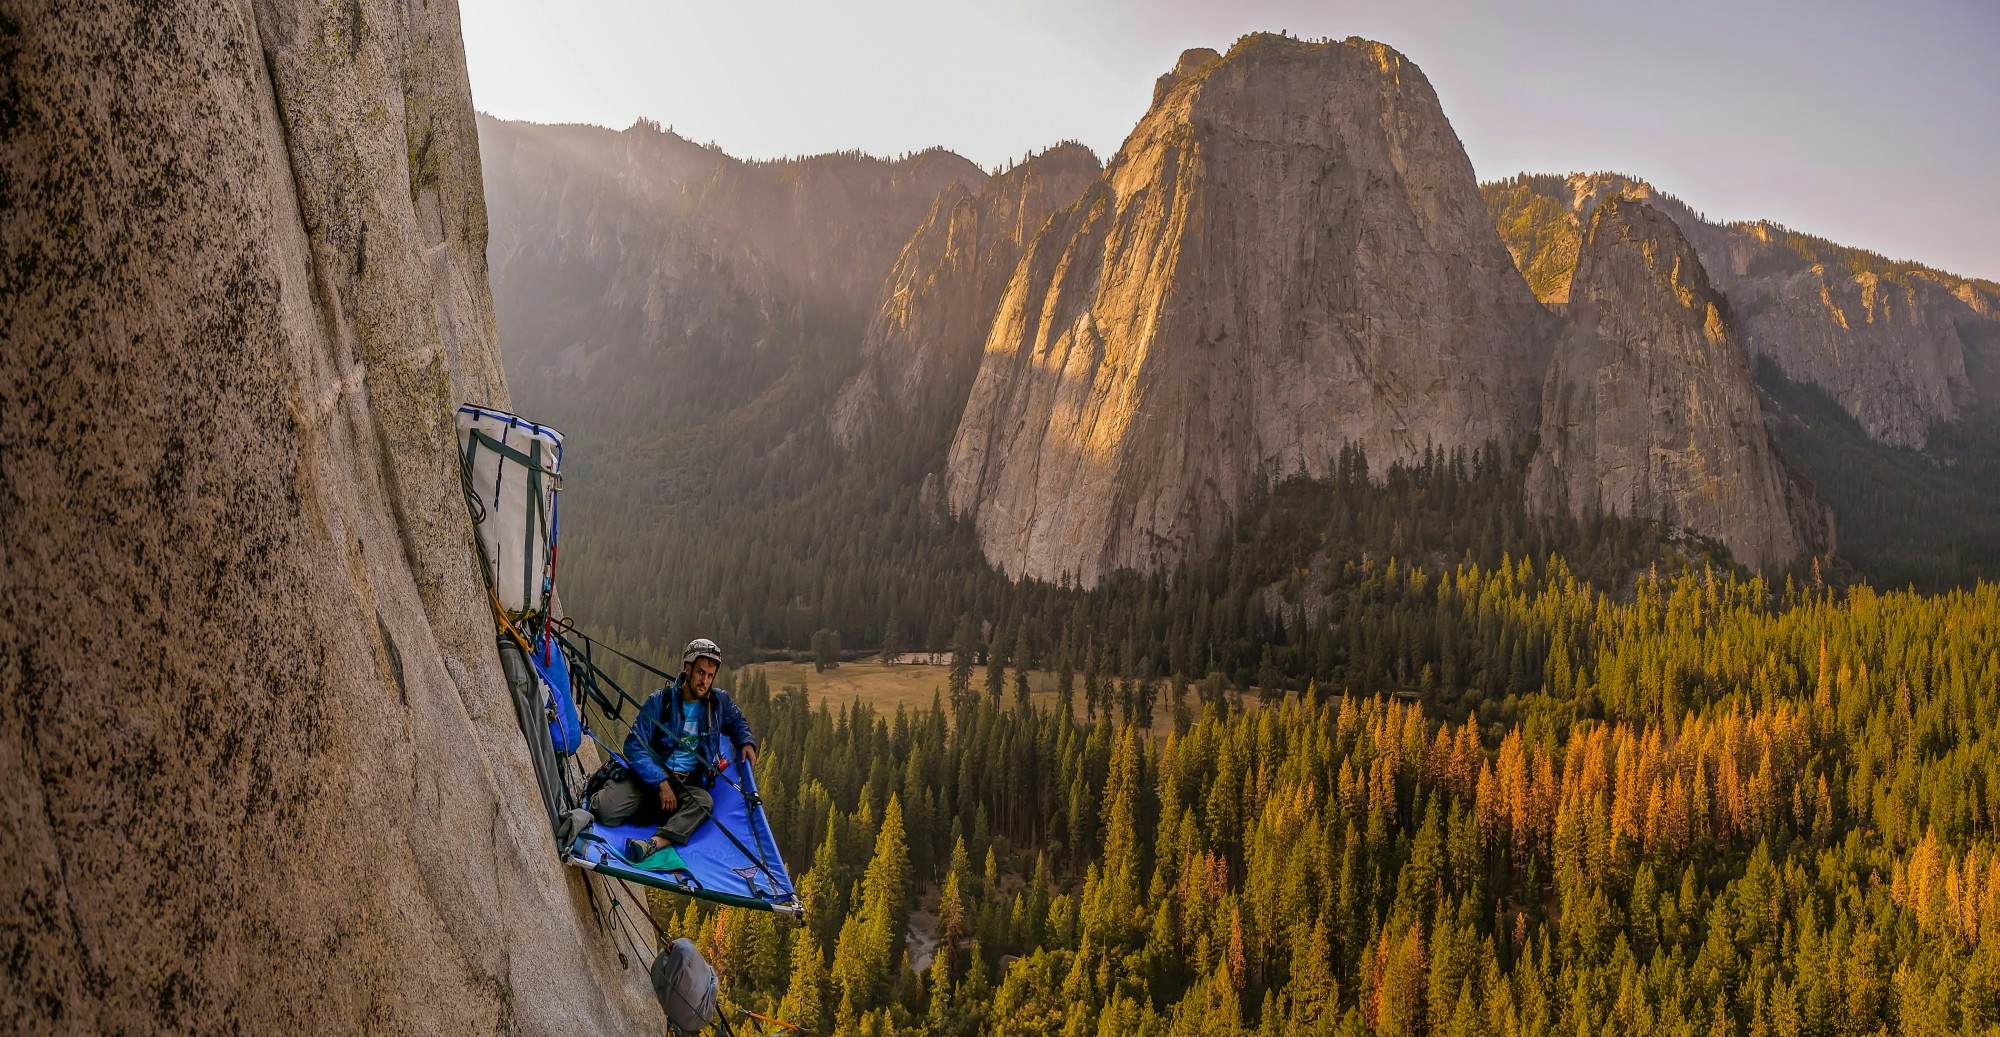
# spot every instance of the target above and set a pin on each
(912, 686)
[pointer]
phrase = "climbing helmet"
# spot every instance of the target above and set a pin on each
(701, 648)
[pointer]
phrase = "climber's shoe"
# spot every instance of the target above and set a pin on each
(637, 850)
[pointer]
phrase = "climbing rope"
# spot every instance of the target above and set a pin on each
(770, 1021)
(564, 627)
(662, 938)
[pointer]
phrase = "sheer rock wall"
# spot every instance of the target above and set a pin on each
(261, 770)
(1649, 410)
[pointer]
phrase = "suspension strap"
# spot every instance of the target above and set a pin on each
(756, 857)
(565, 628)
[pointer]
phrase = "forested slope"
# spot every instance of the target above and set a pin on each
(1718, 810)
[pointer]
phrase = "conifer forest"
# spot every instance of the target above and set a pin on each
(1505, 776)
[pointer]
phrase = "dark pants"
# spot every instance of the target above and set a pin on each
(633, 800)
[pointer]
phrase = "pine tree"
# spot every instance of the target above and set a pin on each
(892, 639)
(869, 947)
(820, 888)
(1399, 996)
(977, 988)
(996, 669)
(1041, 890)
(1314, 991)
(942, 1017)
(962, 649)
(1110, 909)
(805, 998)
(952, 919)
(826, 649)
(1066, 678)
(1642, 910)
(1093, 683)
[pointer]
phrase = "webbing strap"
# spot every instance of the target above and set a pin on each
(608, 751)
(584, 680)
(528, 551)
(566, 628)
(752, 808)
(465, 480)
(754, 858)
(501, 448)
(593, 676)
(770, 1020)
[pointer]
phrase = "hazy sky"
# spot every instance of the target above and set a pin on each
(1875, 124)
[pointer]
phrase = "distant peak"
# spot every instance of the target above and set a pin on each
(1627, 233)
(934, 160)
(1192, 60)
(1624, 181)
(1062, 154)
(934, 153)
(1068, 151)
(1383, 56)
(1197, 62)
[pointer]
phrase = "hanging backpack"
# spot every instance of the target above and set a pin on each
(685, 984)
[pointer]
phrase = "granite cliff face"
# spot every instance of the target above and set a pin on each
(1288, 254)
(652, 277)
(1901, 346)
(1649, 409)
(933, 311)
(262, 773)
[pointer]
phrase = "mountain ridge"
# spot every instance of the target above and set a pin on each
(1898, 343)
(863, 386)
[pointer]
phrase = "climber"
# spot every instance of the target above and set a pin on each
(673, 752)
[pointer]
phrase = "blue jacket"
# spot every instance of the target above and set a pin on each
(650, 743)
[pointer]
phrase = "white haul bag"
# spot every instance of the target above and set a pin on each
(513, 468)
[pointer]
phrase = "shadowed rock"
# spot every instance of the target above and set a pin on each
(923, 343)
(644, 280)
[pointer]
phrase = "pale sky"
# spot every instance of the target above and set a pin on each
(1874, 124)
